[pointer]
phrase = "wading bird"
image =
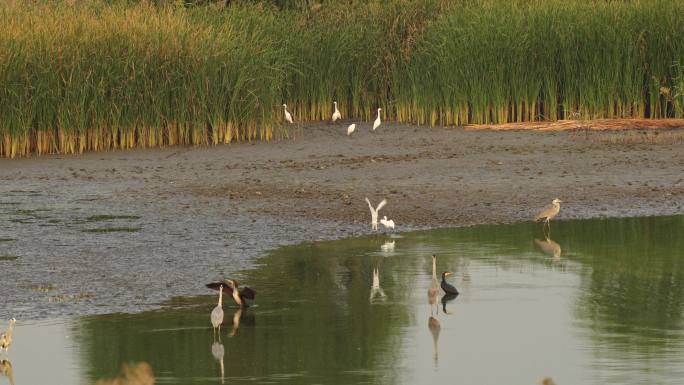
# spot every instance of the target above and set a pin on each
(6, 337)
(377, 122)
(389, 224)
(217, 314)
(288, 117)
(446, 286)
(549, 212)
(336, 114)
(350, 129)
(374, 212)
(240, 295)
(434, 288)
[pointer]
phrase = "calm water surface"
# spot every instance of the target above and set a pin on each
(600, 302)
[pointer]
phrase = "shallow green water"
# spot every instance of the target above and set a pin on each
(602, 303)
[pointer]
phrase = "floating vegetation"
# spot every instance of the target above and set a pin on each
(8, 258)
(7, 239)
(113, 230)
(103, 218)
(148, 76)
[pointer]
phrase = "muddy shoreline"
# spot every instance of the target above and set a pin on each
(127, 231)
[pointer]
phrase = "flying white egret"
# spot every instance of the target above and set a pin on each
(389, 224)
(288, 117)
(374, 212)
(217, 314)
(549, 212)
(336, 114)
(377, 122)
(350, 129)
(6, 337)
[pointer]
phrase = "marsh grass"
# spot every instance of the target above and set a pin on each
(119, 74)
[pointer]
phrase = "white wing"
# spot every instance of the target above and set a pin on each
(381, 205)
(351, 129)
(336, 116)
(376, 124)
(370, 206)
(288, 117)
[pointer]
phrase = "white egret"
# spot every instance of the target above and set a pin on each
(377, 122)
(6, 337)
(288, 117)
(336, 114)
(374, 212)
(389, 224)
(350, 129)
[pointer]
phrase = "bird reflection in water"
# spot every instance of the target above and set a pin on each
(548, 246)
(133, 374)
(236, 321)
(435, 328)
(376, 290)
(6, 371)
(446, 298)
(218, 351)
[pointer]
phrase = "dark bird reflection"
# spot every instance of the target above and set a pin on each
(237, 316)
(132, 374)
(548, 246)
(6, 370)
(376, 291)
(218, 351)
(446, 298)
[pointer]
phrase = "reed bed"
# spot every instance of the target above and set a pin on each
(100, 75)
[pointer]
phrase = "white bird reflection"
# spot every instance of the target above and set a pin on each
(376, 291)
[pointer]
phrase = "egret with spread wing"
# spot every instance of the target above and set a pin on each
(374, 212)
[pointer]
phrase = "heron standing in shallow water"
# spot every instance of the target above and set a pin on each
(217, 314)
(549, 212)
(240, 295)
(446, 286)
(6, 337)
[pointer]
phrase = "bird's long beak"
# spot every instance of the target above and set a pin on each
(448, 273)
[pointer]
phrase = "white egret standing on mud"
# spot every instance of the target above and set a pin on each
(6, 337)
(377, 122)
(217, 314)
(336, 114)
(549, 212)
(288, 117)
(350, 129)
(374, 212)
(389, 224)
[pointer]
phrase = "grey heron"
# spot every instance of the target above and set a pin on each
(549, 212)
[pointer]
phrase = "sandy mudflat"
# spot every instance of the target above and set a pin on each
(195, 214)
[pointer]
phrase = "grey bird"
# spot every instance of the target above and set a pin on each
(217, 314)
(549, 212)
(6, 337)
